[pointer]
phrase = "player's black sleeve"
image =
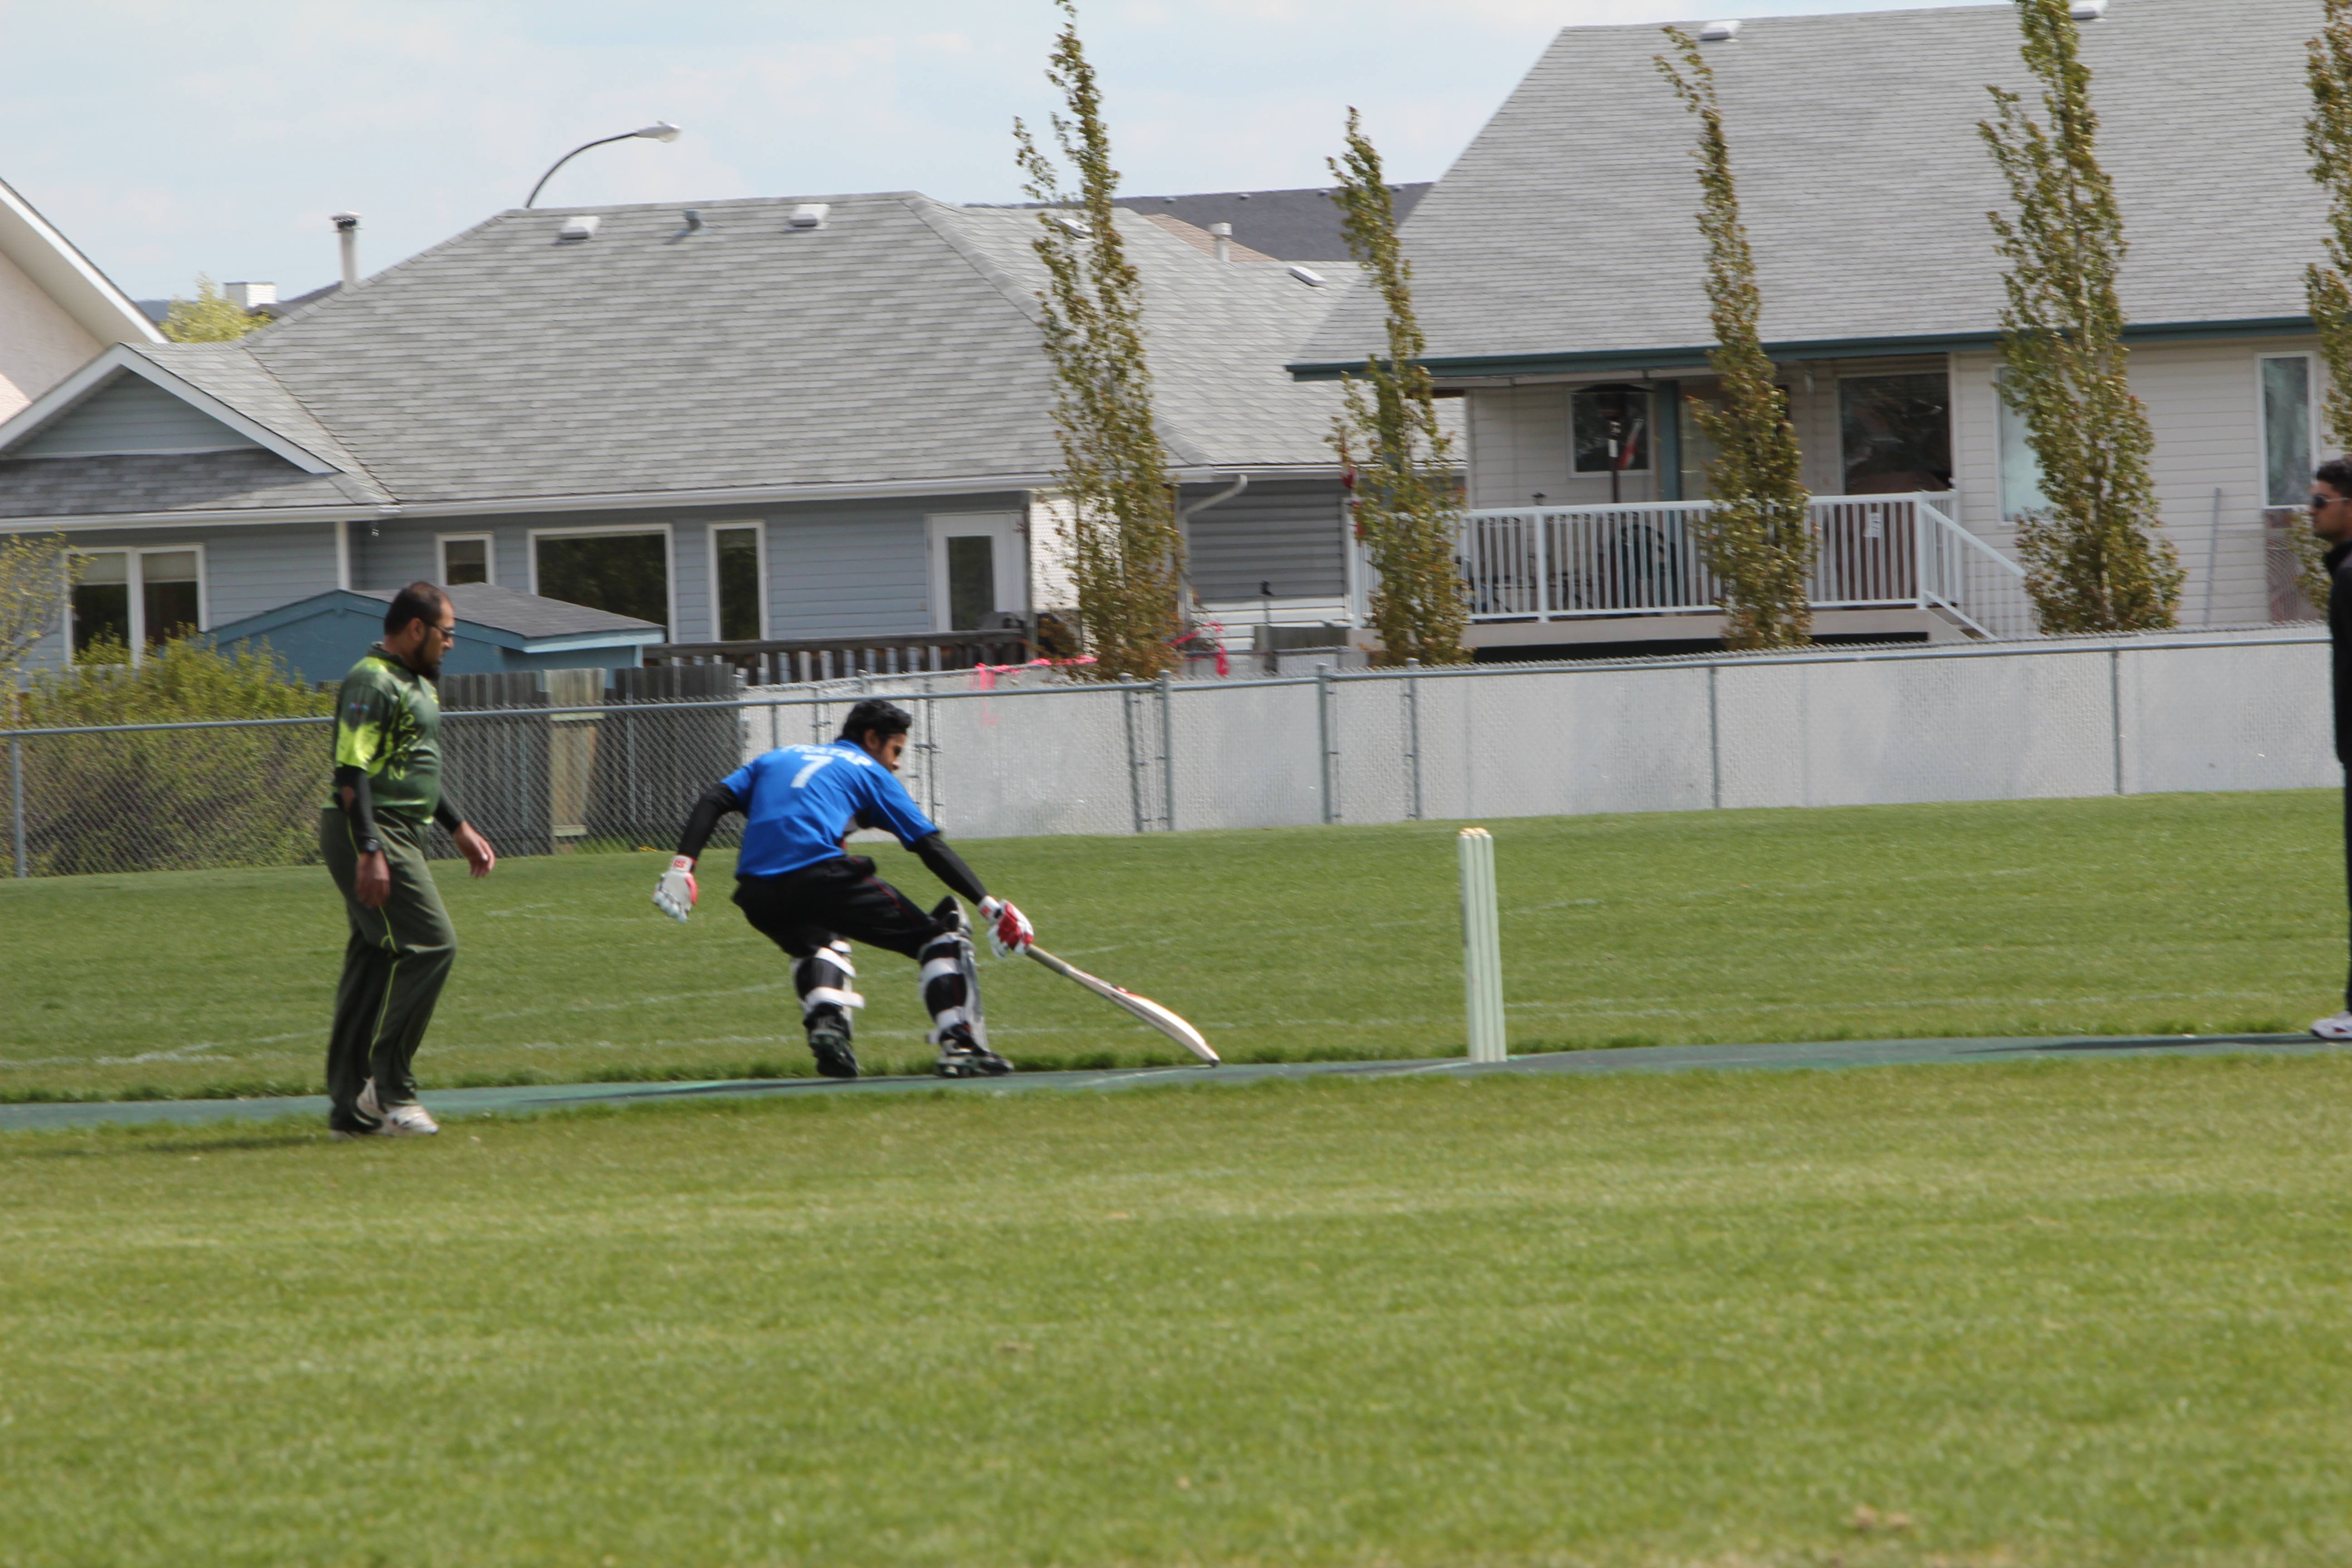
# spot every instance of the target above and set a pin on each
(449, 816)
(715, 802)
(949, 868)
(361, 808)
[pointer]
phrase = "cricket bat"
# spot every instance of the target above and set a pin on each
(1143, 1007)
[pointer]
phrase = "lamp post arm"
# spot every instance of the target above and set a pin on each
(600, 140)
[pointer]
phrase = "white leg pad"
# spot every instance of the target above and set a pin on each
(817, 998)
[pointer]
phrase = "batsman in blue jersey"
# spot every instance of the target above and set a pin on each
(799, 886)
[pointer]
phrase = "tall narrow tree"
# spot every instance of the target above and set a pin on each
(1757, 538)
(1400, 463)
(1126, 554)
(2327, 284)
(2094, 562)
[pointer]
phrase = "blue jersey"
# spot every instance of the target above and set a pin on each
(798, 801)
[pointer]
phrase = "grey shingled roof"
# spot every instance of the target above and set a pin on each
(897, 342)
(1296, 226)
(231, 373)
(526, 614)
(183, 481)
(1567, 227)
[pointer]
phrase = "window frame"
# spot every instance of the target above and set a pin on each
(1012, 564)
(1650, 429)
(2315, 428)
(135, 581)
(670, 627)
(1951, 418)
(2002, 414)
(758, 527)
(441, 543)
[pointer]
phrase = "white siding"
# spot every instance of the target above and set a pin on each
(1289, 534)
(130, 413)
(40, 342)
(1518, 448)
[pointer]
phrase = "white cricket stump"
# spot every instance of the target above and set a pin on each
(1481, 949)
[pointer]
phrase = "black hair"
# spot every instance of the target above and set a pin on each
(876, 713)
(2336, 471)
(417, 601)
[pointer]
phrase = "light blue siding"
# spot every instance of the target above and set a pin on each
(1289, 533)
(130, 414)
(856, 570)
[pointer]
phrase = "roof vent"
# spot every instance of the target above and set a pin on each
(1723, 32)
(2087, 10)
(693, 224)
(1308, 275)
(810, 215)
(579, 227)
(1073, 225)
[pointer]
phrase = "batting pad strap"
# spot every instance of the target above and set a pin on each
(934, 968)
(811, 1000)
(947, 1018)
(837, 954)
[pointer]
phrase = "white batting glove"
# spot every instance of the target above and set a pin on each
(675, 894)
(1009, 930)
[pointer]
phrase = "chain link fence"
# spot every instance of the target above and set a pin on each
(2082, 717)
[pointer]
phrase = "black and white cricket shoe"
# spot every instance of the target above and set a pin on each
(828, 1038)
(961, 1056)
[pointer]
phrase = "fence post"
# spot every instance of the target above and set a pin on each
(16, 803)
(1134, 757)
(1481, 949)
(1413, 736)
(2115, 707)
(1167, 753)
(1714, 730)
(1326, 724)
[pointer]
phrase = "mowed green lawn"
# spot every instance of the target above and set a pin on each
(2067, 1314)
(2165, 913)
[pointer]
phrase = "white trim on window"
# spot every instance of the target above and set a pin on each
(669, 557)
(2312, 437)
(441, 543)
(1007, 559)
(135, 583)
(759, 527)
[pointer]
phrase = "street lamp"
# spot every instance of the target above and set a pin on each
(660, 130)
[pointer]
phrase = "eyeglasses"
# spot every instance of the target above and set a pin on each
(2321, 503)
(446, 633)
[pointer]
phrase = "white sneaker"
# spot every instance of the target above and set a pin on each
(2336, 1028)
(410, 1121)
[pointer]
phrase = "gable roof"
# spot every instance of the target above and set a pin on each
(1294, 226)
(1565, 236)
(68, 276)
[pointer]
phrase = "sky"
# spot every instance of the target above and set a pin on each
(167, 138)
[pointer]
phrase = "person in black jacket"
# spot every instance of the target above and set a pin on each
(2331, 519)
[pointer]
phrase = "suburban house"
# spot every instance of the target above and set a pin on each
(57, 310)
(760, 421)
(1557, 271)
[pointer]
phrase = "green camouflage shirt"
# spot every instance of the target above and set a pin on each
(388, 722)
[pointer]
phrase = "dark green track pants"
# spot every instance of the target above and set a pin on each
(394, 967)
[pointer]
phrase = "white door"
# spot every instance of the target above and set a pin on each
(977, 570)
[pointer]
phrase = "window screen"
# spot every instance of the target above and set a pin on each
(101, 608)
(1611, 425)
(627, 574)
(168, 593)
(1897, 433)
(972, 581)
(738, 550)
(465, 561)
(2020, 465)
(2287, 430)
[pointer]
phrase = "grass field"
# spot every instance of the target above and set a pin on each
(2065, 1314)
(2163, 913)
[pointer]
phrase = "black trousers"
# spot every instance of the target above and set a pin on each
(802, 910)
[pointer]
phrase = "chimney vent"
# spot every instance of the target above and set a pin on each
(347, 232)
(245, 295)
(810, 215)
(1223, 233)
(1722, 32)
(579, 227)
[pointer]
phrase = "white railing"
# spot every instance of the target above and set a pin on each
(1895, 552)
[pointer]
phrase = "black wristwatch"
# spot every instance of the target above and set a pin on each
(370, 847)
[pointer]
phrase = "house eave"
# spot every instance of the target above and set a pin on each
(1505, 367)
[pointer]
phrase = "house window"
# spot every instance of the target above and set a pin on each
(736, 587)
(627, 574)
(127, 601)
(466, 558)
(977, 567)
(1609, 427)
(1897, 433)
(2288, 445)
(2020, 465)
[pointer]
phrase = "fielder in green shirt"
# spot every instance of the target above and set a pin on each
(386, 795)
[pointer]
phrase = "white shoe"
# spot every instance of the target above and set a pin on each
(2336, 1028)
(410, 1121)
